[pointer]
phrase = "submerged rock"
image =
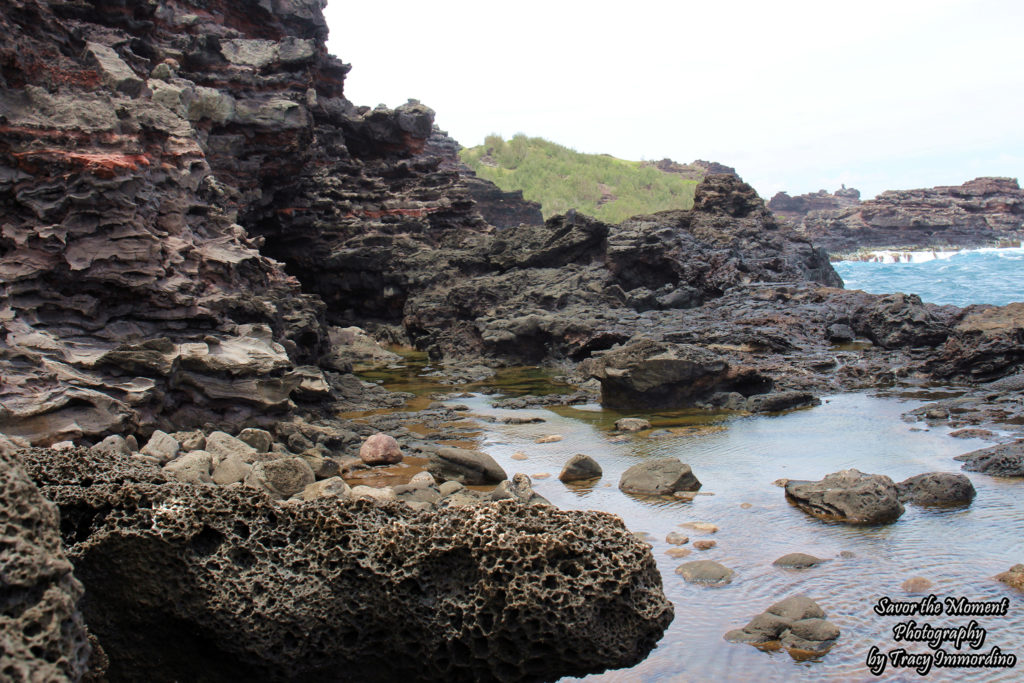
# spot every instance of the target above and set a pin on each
(796, 623)
(660, 477)
(580, 467)
(797, 561)
(200, 582)
(650, 374)
(848, 496)
(632, 424)
(706, 572)
(1005, 460)
(937, 488)
(1013, 577)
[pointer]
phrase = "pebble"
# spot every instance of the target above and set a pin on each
(916, 584)
(519, 455)
(704, 545)
(542, 475)
(551, 438)
(676, 538)
(706, 527)
(678, 552)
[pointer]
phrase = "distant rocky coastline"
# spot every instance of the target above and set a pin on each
(984, 212)
(203, 239)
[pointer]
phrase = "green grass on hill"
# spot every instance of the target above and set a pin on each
(561, 179)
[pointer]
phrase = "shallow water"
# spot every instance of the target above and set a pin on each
(737, 458)
(959, 550)
(982, 276)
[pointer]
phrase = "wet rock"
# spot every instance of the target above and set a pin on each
(1014, 577)
(704, 545)
(678, 552)
(580, 467)
(161, 446)
(519, 420)
(519, 455)
(676, 538)
(464, 466)
(551, 438)
(937, 489)
(796, 623)
(193, 467)
(777, 402)
(705, 571)
(1005, 460)
(282, 478)
(848, 496)
(659, 477)
(973, 433)
(650, 374)
(797, 561)
(632, 424)
(260, 439)
(44, 636)
(703, 527)
(380, 449)
(916, 584)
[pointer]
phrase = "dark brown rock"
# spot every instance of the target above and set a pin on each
(197, 582)
(981, 212)
(1005, 460)
(44, 636)
(580, 467)
(937, 489)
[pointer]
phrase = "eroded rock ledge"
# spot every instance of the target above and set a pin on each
(194, 582)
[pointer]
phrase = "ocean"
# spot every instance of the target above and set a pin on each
(981, 276)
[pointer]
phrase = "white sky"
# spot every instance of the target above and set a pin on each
(797, 95)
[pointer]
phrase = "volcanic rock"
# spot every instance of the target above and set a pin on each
(44, 636)
(848, 496)
(981, 212)
(659, 477)
(580, 467)
(796, 623)
(1005, 460)
(219, 583)
(937, 488)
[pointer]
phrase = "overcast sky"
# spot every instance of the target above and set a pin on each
(798, 96)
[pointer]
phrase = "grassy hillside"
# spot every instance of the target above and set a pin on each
(595, 184)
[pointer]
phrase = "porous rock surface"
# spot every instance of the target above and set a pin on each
(1004, 460)
(937, 489)
(42, 634)
(848, 496)
(197, 582)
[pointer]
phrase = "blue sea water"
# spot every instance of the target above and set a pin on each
(983, 276)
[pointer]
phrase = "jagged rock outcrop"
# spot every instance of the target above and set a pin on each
(199, 582)
(795, 208)
(499, 208)
(556, 290)
(981, 212)
(42, 634)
